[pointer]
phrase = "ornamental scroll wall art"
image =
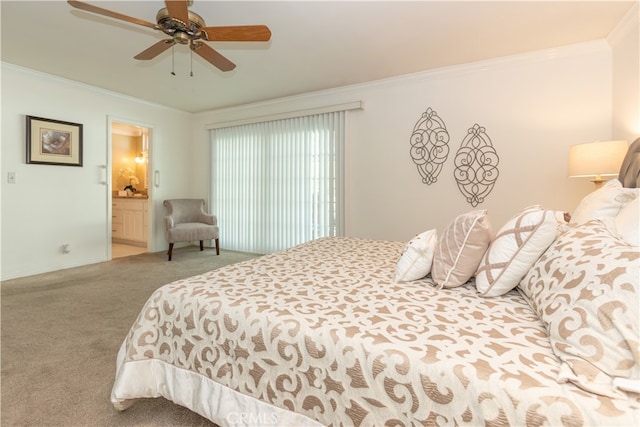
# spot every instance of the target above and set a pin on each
(429, 145)
(476, 165)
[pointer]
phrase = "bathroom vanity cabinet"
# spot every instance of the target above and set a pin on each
(129, 220)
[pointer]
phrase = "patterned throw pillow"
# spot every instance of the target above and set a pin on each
(585, 290)
(417, 256)
(460, 249)
(518, 244)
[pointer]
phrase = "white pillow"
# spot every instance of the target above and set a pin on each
(603, 203)
(417, 256)
(460, 249)
(514, 250)
(627, 222)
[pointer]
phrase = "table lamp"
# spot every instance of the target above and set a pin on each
(596, 160)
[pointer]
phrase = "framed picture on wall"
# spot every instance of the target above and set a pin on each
(53, 142)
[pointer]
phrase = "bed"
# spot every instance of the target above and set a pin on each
(351, 332)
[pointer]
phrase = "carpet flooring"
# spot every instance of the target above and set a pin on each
(61, 331)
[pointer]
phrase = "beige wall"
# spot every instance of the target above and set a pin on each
(625, 42)
(533, 106)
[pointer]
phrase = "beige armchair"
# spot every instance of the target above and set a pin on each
(187, 221)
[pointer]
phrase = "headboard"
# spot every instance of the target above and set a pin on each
(630, 170)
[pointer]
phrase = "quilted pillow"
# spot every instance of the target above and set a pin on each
(604, 202)
(585, 290)
(460, 249)
(517, 245)
(417, 256)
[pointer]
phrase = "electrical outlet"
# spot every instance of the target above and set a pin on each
(11, 177)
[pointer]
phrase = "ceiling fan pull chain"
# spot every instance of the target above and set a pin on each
(173, 60)
(191, 56)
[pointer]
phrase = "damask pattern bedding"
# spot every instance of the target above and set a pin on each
(320, 334)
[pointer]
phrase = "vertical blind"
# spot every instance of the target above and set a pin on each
(280, 183)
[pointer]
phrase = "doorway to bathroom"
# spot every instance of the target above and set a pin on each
(130, 204)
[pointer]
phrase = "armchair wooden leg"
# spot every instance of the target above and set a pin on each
(217, 246)
(170, 250)
(201, 245)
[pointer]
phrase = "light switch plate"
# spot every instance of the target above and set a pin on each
(11, 177)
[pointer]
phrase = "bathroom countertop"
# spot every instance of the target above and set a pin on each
(142, 197)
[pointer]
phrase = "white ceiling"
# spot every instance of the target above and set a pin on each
(315, 45)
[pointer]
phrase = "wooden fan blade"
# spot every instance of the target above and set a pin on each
(155, 50)
(178, 9)
(239, 33)
(100, 11)
(213, 57)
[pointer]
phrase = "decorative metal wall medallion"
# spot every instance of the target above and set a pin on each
(476, 165)
(429, 145)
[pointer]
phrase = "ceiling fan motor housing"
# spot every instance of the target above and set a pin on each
(181, 32)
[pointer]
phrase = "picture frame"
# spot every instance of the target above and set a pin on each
(53, 142)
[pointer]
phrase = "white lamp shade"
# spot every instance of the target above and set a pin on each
(596, 159)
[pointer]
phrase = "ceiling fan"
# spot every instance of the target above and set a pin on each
(187, 28)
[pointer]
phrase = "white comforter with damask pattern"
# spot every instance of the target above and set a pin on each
(321, 335)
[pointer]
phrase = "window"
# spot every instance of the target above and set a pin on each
(280, 183)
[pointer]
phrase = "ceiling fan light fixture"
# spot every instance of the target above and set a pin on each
(181, 37)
